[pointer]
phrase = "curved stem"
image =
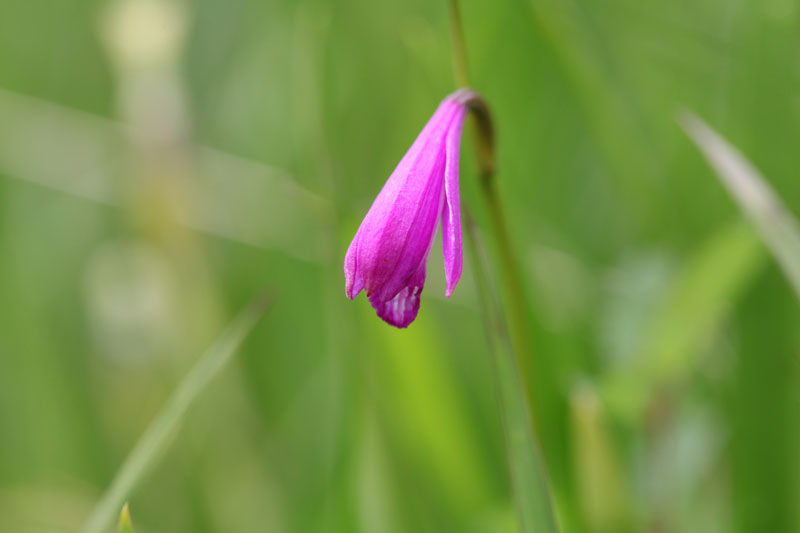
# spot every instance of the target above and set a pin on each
(510, 353)
(483, 133)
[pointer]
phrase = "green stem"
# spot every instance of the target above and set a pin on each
(460, 55)
(509, 354)
(511, 278)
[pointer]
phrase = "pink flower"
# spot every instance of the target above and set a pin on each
(390, 249)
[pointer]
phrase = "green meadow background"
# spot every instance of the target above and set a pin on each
(162, 162)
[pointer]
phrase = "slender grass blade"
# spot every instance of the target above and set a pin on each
(157, 437)
(775, 224)
(529, 478)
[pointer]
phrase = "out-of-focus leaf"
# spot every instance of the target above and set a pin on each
(232, 197)
(156, 438)
(702, 294)
(773, 221)
(614, 118)
(604, 495)
(429, 411)
(699, 298)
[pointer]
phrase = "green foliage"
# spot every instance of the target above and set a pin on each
(160, 161)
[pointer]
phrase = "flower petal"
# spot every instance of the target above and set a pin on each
(396, 233)
(451, 213)
(401, 310)
(388, 254)
(353, 277)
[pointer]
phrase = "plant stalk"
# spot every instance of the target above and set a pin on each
(509, 353)
(483, 133)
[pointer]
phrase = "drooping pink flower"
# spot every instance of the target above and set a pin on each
(390, 249)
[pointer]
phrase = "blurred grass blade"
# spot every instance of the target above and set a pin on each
(604, 494)
(776, 225)
(529, 479)
(156, 437)
(125, 524)
(615, 120)
(694, 305)
(430, 415)
(528, 475)
(236, 198)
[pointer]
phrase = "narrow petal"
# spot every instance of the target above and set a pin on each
(401, 310)
(451, 213)
(353, 277)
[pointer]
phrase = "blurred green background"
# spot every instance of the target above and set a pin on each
(161, 162)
